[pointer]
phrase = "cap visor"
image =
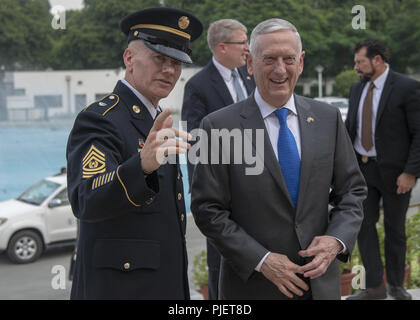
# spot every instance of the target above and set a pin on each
(170, 52)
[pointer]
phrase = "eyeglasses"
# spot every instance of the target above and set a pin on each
(237, 42)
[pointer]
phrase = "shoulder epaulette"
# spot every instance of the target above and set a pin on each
(106, 103)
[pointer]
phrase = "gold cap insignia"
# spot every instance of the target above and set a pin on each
(93, 162)
(136, 109)
(310, 119)
(136, 33)
(183, 22)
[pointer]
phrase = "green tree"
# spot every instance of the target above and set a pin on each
(24, 34)
(92, 38)
(343, 82)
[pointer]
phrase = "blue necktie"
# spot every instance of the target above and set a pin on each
(288, 156)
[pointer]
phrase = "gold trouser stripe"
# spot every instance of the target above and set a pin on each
(126, 193)
(163, 28)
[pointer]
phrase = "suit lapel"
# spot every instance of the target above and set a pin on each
(219, 84)
(386, 91)
(252, 119)
(142, 120)
(355, 101)
(308, 126)
(247, 80)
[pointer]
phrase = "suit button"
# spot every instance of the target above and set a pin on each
(179, 196)
(127, 266)
(182, 217)
(179, 176)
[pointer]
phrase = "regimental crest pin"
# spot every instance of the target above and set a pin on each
(141, 145)
(310, 120)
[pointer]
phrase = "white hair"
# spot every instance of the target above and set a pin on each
(269, 26)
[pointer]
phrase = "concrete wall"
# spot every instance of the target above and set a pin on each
(91, 84)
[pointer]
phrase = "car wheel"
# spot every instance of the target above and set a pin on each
(25, 247)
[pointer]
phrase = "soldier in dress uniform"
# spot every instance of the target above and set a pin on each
(129, 201)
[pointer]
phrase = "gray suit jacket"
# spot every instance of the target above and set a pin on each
(247, 215)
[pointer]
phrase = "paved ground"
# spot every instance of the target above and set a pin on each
(36, 280)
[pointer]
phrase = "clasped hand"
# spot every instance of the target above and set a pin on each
(282, 272)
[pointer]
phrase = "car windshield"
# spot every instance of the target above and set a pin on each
(340, 104)
(39, 192)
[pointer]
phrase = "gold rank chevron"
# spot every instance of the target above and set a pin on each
(103, 179)
(93, 162)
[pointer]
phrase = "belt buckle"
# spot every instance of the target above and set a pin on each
(365, 159)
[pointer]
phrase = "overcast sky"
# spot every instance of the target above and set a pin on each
(68, 4)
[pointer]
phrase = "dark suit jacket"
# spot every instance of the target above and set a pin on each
(206, 92)
(132, 229)
(397, 134)
(247, 215)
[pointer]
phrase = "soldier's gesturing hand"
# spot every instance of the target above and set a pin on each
(162, 142)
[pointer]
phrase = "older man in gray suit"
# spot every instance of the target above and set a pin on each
(277, 238)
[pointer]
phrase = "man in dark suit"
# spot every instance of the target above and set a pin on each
(129, 202)
(384, 125)
(273, 228)
(213, 88)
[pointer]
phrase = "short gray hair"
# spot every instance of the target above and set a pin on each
(269, 26)
(221, 31)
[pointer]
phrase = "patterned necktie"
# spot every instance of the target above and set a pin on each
(239, 92)
(288, 154)
(158, 112)
(367, 135)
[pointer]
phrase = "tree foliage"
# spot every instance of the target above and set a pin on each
(92, 38)
(343, 82)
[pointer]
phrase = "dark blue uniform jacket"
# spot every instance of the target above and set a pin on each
(132, 227)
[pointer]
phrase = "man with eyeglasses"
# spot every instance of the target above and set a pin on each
(223, 81)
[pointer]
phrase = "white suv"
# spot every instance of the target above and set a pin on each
(40, 218)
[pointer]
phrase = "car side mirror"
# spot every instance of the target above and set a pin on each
(55, 203)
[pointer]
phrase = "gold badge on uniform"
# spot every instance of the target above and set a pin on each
(310, 120)
(93, 162)
(141, 145)
(183, 22)
(136, 109)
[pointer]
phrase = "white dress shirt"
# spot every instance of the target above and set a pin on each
(376, 97)
(226, 74)
(272, 125)
(150, 107)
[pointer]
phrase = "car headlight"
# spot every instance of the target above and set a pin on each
(2, 221)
